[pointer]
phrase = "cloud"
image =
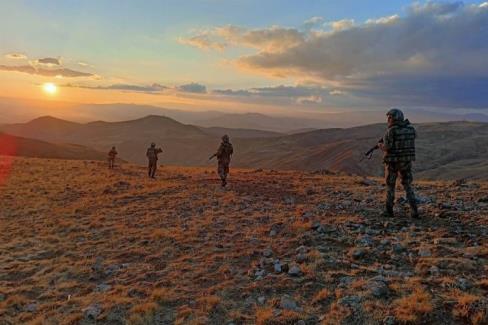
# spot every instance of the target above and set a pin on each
(341, 25)
(193, 88)
(16, 56)
(314, 22)
(310, 100)
(57, 72)
(271, 39)
(154, 88)
(49, 61)
(431, 47)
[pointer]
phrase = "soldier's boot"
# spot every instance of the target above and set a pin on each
(388, 213)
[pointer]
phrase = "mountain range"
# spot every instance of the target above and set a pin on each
(445, 150)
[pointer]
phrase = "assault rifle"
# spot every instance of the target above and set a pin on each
(368, 154)
(211, 157)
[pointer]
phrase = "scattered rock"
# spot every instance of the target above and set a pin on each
(365, 241)
(261, 300)
(358, 253)
(398, 248)
(389, 320)
(288, 303)
(463, 284)
(31, 308)
(103, 287)
(445, 241)
(267, 252)
(295, 271)
(92, 311)
(301, 258)
(277, 267)
(2, 297)
(424, 252)
(378, 288)
(301, 250)
(434, 270)
(350, 301)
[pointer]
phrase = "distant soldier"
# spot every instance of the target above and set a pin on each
(111, 158)
(224, 154)
(152, 156)
(398, 146)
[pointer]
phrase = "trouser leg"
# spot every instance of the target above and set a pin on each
(390, 181)
(407, 179)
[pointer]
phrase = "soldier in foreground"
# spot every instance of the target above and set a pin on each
(111, 158)
(224, 154)
(398, 146)
(152, 156)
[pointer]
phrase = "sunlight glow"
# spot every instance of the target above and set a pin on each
(50, 88)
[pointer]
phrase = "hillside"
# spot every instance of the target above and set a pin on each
(18, 146)
(84, 245)
(450, 150)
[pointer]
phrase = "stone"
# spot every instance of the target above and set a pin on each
(365, 241)
(300, 322)
(301, 258)
(350, 301)
(378, 289)
(398, 248)
(92, 312)
(261, 300)
(463, 284)
(434, 270)
(358, 253)
(2, 297)
(301, 250)
(267, 252)
(286, 302)
(31, 308)
(295, 271)
(424, 252)
(277, 267)
(389, 320)
(103, 287)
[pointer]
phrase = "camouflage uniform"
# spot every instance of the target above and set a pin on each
(111, 157)
(399, 153)
(224, 154)
(152, 156)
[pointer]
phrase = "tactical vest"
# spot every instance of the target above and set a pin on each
(151, 154)
(225, 151)
(401, 142)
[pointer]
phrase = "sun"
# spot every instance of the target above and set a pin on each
(50, 88)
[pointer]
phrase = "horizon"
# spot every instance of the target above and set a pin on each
(304, 60)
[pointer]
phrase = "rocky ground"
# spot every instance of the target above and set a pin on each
(80, 244)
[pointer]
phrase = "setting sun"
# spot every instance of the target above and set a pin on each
(50, 88)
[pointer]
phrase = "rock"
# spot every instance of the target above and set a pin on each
(260, 273)
(463, 284)
(92, 311)
(358, 253)
(365, 241)
(301, 258)
(103, 287)
(267, 252)
(261, 300)
(98, 266)
(378, 289)
(31, 308)
(398, 248)
(277, 268)
(295, 271)
(286, 302)
(2, 297)
(424, 252)
(350, 301)
(384, 242)
(272, 233)
(316, 225)
(301, 250)
(300, 322)
(345, 281)
(389, 320)
(434, 270)
(249, 302)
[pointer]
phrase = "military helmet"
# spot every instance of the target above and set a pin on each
(396, 114)
(225, 138)
(153, 145)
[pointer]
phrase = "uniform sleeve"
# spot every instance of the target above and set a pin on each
(220, 150)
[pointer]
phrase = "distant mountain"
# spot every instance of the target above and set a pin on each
(18, 146)
(445, 150)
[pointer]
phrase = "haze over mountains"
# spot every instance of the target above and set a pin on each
(21, 111)
(445, 150)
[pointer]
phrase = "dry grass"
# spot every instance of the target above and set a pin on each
(413, 307)
(75, 234)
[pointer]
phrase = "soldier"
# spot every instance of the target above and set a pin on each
(152, 156)
(224, 153)
(398, 146)
(111, 158)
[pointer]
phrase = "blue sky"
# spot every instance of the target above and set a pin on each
(233, 50)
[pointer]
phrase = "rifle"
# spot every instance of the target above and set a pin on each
(211, 157)
(368, 154)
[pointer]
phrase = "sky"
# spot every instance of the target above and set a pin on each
(247, 55)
